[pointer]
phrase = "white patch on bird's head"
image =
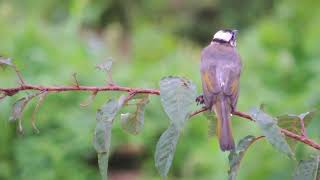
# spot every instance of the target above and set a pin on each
(226, 36)
(223, 35)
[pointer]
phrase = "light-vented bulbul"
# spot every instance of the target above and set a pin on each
(220, 74)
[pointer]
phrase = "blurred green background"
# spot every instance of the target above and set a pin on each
(50, 40)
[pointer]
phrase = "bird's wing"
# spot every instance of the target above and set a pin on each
(220, 77)
(231, 87)
(210, 83)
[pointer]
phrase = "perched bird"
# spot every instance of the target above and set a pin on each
(220, 73)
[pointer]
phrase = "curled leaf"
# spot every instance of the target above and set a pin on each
(236, 155)
(270, 129)
(89, 100)
(39, 103)
(177, 96)
(18, 108)
(4, 62)
(105, 66)
(133, 122)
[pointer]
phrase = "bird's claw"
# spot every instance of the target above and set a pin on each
(200, 100)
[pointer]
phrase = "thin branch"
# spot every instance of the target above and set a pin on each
(26, 87)
(22, 82)
(290, 134)
(303, 128)
(74, 75)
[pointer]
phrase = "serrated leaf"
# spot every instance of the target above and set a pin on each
(102, 135)
(165, 150)
(270, 129)
(105, 66)
(133, 122)
(236, 155)
(177, 96)
(292, 123)
(308, 169)
(212, 123)
(4, 62)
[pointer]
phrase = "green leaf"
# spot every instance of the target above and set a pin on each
(212, 123)
(103, 159)
(270, 129)
(133, 122)
(165, 149)
(4, 62)
(308, 169)
(292, 123)
(236, 155)
(177, 96)
(102, 135)
(105, 66)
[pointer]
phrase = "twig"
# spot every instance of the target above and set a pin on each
(22, 82)
(74, 75)
(303, 129)
(25, 87)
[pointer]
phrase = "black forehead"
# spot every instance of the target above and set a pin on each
(228, 30)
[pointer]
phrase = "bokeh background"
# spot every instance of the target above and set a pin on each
(50, 40)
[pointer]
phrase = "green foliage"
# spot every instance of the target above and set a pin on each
(236, 155)
(212, 123)
(308, 169)
(50, 40)
(177, 96)
(165, 149)
(293, 123)
(270, 129)
(102, 135)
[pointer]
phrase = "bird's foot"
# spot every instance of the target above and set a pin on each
(200, 100)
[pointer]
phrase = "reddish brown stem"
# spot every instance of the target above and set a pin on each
(25, 87)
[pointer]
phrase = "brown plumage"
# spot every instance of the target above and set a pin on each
(220, 73)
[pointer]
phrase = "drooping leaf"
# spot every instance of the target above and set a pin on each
(133, 122)
(103, 159)
(292, 123)
(102, 135)
(270, 129)
(33, 119)
(165, 149)
(4, 62)
(236, 155)
(105, 66)
(308, 169)
(19, 106)
(212, 123)
(177, 95)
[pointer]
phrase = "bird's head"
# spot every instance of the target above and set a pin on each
(226, 36)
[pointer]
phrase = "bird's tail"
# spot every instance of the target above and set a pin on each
(222, 110)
